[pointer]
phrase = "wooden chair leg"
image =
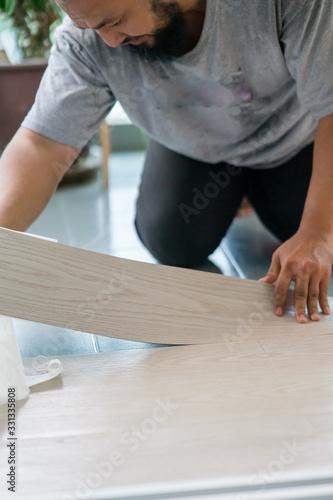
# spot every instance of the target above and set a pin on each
(104, 133)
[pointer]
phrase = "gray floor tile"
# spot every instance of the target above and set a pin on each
(249, 245)
(106, 345)
(35, 339)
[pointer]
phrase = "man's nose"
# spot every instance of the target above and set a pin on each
(111, 37)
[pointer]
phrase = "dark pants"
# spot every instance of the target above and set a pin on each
(185, 206)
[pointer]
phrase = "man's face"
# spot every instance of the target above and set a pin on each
(153, 29)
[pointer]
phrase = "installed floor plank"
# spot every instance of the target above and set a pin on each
(176, 414)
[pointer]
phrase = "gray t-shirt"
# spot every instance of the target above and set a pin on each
(250, 93)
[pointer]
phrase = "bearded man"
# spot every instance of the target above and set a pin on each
(236, 97)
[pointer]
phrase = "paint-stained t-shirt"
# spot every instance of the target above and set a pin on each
(250, 93)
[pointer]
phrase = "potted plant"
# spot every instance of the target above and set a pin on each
(26, 33)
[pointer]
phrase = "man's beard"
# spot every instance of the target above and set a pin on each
(169, 40)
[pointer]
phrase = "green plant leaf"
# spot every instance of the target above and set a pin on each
(33, 31)
(40, 4)
(10, 6)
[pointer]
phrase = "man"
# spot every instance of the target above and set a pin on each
(233, 94)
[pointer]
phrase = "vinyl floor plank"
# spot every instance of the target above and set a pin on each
(76, 289)
(185, 413)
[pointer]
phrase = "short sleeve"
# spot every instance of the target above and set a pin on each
(307, 41)
(73, 98)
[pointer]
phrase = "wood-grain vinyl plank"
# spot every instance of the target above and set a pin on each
(55, 284)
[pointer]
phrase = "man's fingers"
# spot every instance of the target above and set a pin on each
(312, 300)
(323, 291)
(301, 298)
(311, 286)
(281, 291)
(316, 292)
(273, 272)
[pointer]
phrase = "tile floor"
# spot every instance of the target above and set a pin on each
(84, 216)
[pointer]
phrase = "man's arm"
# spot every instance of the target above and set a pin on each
(307, 257)
(30, 169)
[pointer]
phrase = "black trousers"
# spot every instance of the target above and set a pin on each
(185, 206)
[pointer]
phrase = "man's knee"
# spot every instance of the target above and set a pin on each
(171, 244)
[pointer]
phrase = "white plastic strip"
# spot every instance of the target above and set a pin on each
(11, 367)
(33, 235)
(47, 371)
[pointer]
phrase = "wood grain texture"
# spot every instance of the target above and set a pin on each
(59, 285)
(104, 134)
(166, 417)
